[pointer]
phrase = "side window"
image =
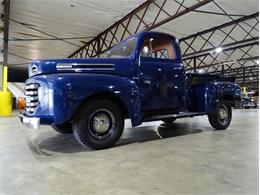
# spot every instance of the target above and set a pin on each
(158, 48)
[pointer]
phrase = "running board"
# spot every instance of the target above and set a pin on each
(180, 115)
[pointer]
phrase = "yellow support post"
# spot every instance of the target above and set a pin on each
(5, 73)
(5, 97)
(244, 90)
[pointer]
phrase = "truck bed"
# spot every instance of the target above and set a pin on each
(197, 85)
(195, 78)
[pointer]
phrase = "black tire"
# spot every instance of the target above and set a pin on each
(221, 117)
(63, 128)
(169, 120)
(98, 125)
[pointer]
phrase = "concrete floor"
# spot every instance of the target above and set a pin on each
(193, 159)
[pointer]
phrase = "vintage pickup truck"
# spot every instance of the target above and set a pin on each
(142, 79)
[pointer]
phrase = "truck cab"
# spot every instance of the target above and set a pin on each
(142, 78)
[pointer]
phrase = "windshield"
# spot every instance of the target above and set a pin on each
(123, 50)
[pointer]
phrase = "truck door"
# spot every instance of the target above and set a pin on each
(162, 75)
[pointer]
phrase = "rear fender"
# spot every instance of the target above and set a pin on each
(216, 91)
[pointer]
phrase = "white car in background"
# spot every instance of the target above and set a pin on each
(248, 100)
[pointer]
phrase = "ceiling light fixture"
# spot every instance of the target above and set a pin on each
(218, 50)
(201, 71)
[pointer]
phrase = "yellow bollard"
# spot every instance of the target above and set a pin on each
(5, 97)
(5, 103)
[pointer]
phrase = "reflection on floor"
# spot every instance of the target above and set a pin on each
(187, 157)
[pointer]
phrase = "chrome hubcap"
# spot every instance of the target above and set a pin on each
(102, 123)
(223, 112)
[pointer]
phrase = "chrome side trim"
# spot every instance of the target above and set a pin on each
(64, 66)
(79, 69)
(78, 66)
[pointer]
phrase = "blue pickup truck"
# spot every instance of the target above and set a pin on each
(142, 78)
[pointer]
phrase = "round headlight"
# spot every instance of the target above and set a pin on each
(34, 69)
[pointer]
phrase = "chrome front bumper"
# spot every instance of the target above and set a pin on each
(30, 122)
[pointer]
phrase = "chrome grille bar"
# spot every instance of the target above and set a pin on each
(32, 101)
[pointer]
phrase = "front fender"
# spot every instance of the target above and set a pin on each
(69, 91)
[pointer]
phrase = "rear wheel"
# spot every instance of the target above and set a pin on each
(221, 117)
(65, 128)
(98, 125)
(169, 120)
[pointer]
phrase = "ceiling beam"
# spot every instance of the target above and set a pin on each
(247, 69)
(242, 19)
(249, 84)
(226, 31)
(228, 62)
(178, 14)
(49, 39)
(224, 46)
(42, 32)
(225, 57)
(251, 81)
(120, 30)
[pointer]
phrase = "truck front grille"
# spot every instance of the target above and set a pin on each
(31, 92)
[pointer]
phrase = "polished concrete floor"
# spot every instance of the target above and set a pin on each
(185, 158)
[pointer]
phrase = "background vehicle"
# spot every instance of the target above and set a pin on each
(142, 78)
(256, 98)
(249, 100)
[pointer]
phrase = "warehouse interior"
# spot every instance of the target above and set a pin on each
(186, 157)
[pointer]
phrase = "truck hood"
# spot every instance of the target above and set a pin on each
(122, 66)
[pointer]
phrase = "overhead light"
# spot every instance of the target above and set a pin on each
(201, 71)
(251, 78)
(218, 50)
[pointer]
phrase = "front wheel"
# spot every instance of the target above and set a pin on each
(98, 125)
(221, 117)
